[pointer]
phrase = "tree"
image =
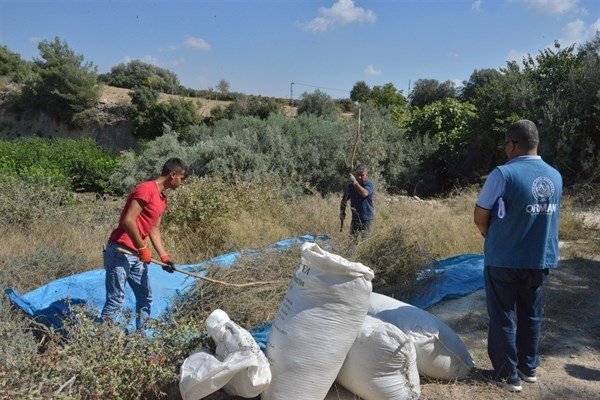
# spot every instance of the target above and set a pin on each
(12, 65)
(386, 96)
(360, 91)
(62, 84)
(140, 74)
(479, 79)
(223, 86)
(317, 103)
(427, 91)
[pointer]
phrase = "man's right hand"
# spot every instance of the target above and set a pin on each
(352, 179)
(145, 254)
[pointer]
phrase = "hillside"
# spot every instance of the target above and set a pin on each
(107, 123)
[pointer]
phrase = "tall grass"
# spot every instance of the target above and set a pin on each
(204, 218)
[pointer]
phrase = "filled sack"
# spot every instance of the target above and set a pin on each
(238, 366)
(441, 354)
(381, 364)
(317, 323)
(234, 341)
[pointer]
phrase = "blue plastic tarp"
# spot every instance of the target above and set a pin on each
(448, 278)
(50, 303)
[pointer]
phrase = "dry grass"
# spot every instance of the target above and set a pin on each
(407, 234)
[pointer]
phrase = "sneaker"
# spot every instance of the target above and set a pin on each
(531, 378)
(512, 385)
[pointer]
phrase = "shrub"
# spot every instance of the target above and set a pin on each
(140, 74)
(75, 164)
(317, 103)
(100, 361)
(21, 202)
(177, 114)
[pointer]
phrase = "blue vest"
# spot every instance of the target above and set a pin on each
(527, 236)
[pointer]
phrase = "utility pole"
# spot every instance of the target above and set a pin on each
(408, 88)
(292, 94)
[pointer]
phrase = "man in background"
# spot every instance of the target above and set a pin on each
(361, 193)
(139, 220)
(517, 213)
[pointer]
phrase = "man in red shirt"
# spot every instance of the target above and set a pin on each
(140, 219)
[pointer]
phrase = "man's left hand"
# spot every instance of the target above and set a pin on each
(170, 264)
(352, 179)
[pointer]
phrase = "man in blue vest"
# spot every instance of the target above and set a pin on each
(517, 212)
(360, 191)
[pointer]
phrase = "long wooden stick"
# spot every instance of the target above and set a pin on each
(344, 199)
(205, 278)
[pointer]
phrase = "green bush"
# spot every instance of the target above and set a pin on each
(98, 361)
(317, 103)
(140, 74)
(74, 164)
(177, 114)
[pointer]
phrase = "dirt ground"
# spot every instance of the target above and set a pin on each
(569, 348)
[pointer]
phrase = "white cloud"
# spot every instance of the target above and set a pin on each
(591, 32)
(577, 33)
(340, 13)
(514, 55)
(371, 70)
(553, 6)
(178, 62)
(35, 39)
(476, 5)
(196, 43)
(452, 55)
(574, 30)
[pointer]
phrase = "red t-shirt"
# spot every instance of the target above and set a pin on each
(155, 204)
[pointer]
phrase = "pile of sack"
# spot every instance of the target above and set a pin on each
(330, 327)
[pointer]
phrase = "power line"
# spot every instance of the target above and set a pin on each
(312, 86)
(320, 87)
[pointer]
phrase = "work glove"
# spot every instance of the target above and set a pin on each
(352, 179)
(170, 264)
(145, 254)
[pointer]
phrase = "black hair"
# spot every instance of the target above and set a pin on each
(175, 165)
(524, 133)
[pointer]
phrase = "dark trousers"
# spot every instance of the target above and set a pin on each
(513, 343)
(361, 228)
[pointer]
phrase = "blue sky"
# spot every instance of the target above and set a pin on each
(260, 47)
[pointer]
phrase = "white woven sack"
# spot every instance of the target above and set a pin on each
(202, 374)
(381, 365)
(441, 354)
(234, 342)
(317, 322)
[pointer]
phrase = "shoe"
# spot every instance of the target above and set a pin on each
(512, 385)
(531, 378)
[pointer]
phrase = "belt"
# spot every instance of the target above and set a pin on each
(134, 251)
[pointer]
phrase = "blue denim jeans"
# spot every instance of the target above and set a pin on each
(513, 343)
(121, 268)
